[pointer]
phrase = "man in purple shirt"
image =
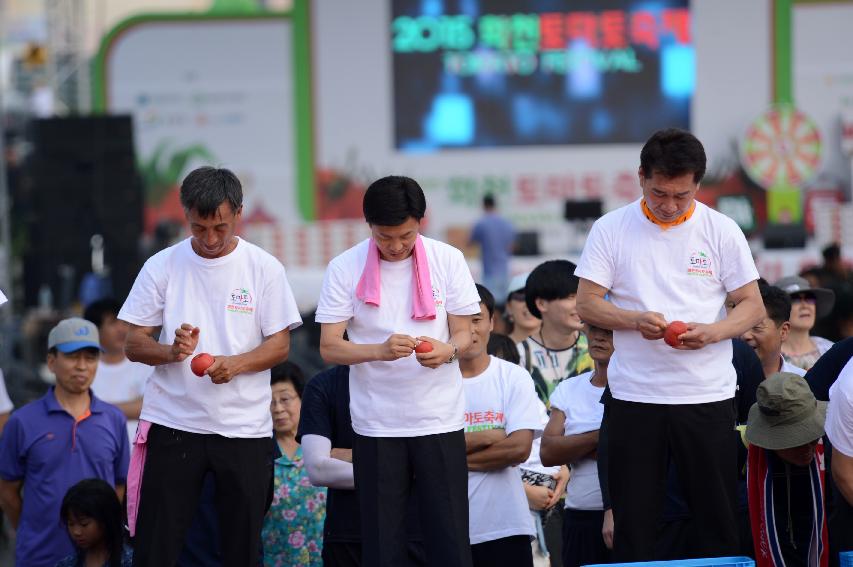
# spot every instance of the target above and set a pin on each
(52, 443)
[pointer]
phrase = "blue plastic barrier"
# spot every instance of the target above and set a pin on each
(845, 559)
(712, 562)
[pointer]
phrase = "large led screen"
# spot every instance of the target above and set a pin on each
(487, 73)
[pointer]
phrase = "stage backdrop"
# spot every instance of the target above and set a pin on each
(536, 102)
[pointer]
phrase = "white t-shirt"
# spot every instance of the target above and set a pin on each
(6, 404)
(581, 402)
(839, 413)
(400, 398)
(684, 273)
(2, 297)
(534, 461)
(122, 382)
(788, 367)
(502, 397)
(235, 301)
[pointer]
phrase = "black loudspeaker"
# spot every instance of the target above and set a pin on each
(784, 236)
(81, 180)
(582, 210)
(527, 243)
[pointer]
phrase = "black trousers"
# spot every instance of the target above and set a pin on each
(175, 468)
(384, 469)
(512, 551)
(583, 543)
(698, 437)
(348, 554)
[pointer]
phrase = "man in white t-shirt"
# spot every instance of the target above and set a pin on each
(216, 293)
(118, 381)
(663, 258)
(767, 336)
(389, 294)
(571, 437)
(501, 420)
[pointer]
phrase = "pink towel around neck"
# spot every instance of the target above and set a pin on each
(369, 285)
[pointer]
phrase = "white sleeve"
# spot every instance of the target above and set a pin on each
(839, 418)
(6, 404)
(2, 297)
(322, 469)
(522, 407)
(147, 298)
(462, 297)
(279, 310)
(738, 267)
(558, 397)
(597, 261)
(335, 304)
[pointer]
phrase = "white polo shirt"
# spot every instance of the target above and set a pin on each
(400, 398)
(684, 273)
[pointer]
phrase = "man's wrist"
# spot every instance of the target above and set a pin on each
(454, 354)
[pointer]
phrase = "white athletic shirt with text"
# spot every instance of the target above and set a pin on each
(502, 397)
(235, 301)
(684, 273)
(400, 398)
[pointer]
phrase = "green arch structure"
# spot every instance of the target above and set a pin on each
(299, 16)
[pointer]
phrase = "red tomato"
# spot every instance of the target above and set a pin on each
(423, 347)
(200, 363)
(672, 332)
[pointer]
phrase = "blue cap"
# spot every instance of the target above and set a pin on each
(71, 335)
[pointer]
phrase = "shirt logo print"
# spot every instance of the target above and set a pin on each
(436, 296)
(240, 301)
(483, 420)
(700, 265)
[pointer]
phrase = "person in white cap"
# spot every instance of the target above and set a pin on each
(808, 304)
(517, 314)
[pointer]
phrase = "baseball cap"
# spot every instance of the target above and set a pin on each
(786, 414)
(825, 298)
(518, 282)
(70, 335)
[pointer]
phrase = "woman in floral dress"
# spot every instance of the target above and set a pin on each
(293, 528)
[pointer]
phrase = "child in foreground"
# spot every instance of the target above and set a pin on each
(92, 513)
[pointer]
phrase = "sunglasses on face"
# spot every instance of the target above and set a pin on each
(516, 296)
(804, 297)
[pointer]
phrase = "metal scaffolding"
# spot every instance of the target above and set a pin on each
(68, 65)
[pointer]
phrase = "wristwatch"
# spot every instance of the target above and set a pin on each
(452, 358)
